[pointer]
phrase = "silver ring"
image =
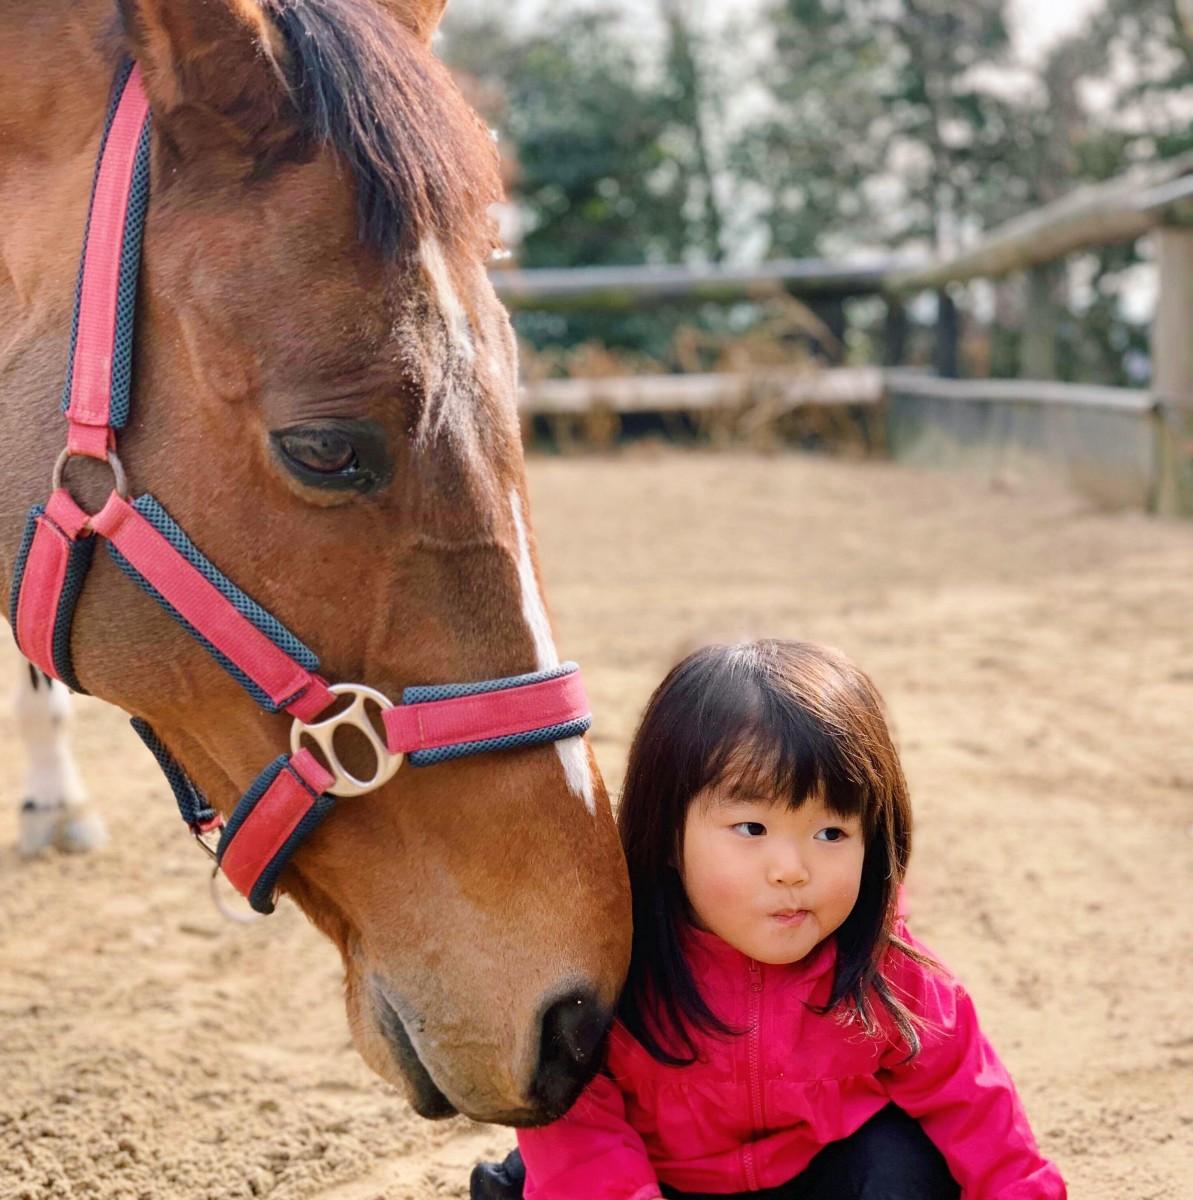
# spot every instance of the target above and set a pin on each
(120, 479)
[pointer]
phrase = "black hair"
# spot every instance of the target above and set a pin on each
(790, 719)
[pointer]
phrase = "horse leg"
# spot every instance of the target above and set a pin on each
(55, 810)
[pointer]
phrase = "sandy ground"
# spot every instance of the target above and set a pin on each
(1038, 657)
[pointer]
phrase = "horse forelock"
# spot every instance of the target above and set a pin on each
(426, 174)
(423, 164)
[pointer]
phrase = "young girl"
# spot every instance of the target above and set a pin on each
(781, 1034)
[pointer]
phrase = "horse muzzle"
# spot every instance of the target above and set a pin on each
(569, 1035)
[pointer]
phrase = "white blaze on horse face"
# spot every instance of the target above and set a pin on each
(454, 315)
(572, 751)
(441, 353)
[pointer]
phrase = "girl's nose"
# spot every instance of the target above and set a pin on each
(788, 870)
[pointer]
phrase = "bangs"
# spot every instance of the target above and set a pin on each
(757, 742)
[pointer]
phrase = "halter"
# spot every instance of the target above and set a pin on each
(291, 796)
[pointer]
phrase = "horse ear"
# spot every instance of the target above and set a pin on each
(211, 68)
(421, 17)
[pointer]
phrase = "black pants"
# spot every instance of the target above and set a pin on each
(889, 1158)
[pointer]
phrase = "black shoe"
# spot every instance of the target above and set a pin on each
(498, 1181)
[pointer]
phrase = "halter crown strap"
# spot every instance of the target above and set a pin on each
(96, 398)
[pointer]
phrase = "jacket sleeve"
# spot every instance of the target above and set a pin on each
(590, 1152)
(961, 1093)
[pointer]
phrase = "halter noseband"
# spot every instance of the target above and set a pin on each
(290, 798)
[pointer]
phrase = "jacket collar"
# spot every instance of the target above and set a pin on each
(713, 960)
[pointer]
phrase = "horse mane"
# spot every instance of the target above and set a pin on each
(423, 163)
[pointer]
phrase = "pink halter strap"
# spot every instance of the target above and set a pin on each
(290, 798)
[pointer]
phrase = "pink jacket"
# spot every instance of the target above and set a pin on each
(755, 1109)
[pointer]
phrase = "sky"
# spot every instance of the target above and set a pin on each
(1038, 23)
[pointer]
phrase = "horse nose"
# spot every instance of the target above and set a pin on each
(572, 1031)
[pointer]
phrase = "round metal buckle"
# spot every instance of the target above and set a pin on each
(119, 478)
(355, 716)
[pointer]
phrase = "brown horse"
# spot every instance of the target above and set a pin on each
(324, 397)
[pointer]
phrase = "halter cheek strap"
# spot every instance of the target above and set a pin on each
(255, 648)
(51, 567)
(293, 795)
(99, 369)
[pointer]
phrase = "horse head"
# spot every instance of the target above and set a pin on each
(325, 398)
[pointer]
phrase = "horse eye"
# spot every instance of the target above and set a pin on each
(324, 451)
(344, 454)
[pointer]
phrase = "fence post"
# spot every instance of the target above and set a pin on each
(1037, 355)
(948, 337)
(894, 339)
(1172, 356)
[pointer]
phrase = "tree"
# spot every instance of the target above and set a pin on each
(1117, 93)
(612, 160)
(884, 123)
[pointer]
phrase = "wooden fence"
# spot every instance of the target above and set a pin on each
(1104, 442)
(1156, 201)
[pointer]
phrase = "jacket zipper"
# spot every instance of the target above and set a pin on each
(753, 1040)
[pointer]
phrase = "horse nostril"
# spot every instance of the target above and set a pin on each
(572, 1030)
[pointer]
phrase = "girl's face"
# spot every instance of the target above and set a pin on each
(770, 880)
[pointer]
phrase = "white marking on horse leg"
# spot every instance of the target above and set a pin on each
(573, 753)
(55, 810)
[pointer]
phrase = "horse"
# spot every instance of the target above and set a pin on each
(323, 395)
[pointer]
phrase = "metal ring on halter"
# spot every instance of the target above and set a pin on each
(355, 716)
(205, 845)
(235, 915)
(120, 479)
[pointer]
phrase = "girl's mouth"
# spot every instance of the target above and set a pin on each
(790, 916)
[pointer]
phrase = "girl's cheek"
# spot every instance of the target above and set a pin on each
(715, 887)
(850, 883)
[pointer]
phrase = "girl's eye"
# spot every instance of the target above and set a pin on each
(750, 829)
(832, 834)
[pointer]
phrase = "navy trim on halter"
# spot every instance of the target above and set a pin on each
(192, 804)
(78, 563)
(262, 893)
(268, 624)
(428, 693)
(126, 291)
(513, 741)
(82, 551)
(120, 400)
(18, 575)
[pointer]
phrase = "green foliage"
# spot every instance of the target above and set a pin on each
(611, 165)
(867, 125)
(881, 124)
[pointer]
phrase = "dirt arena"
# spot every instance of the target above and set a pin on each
(1037, 654)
